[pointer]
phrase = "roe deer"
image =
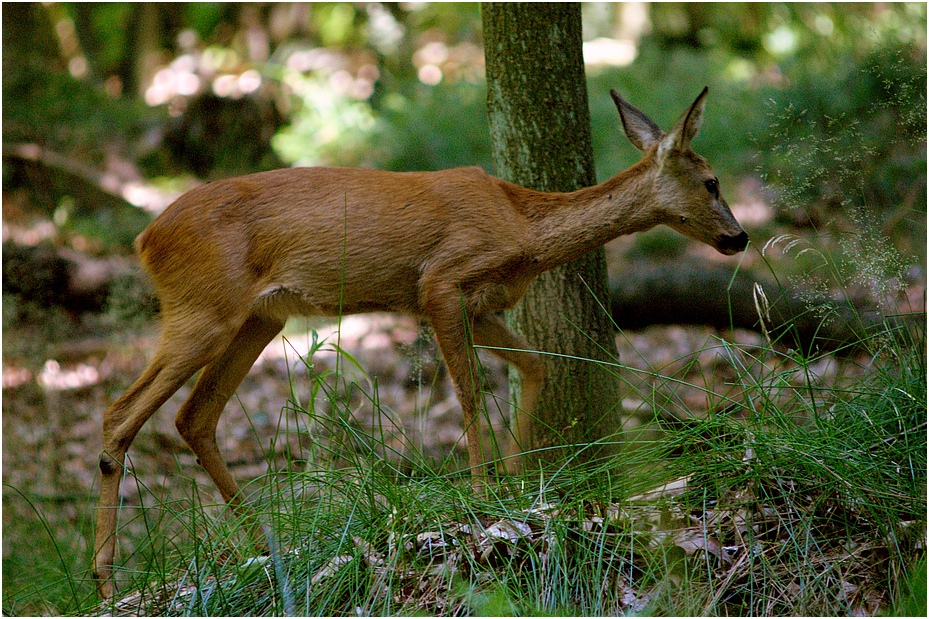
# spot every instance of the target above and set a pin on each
(232, 259)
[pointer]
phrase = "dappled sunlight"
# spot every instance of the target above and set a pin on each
(609, 52)
(55, 378)
(771, 463)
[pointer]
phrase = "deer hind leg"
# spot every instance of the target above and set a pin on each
(197, 419)
(490, 330)
(180, 354)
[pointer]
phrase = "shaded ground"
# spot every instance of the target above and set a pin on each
(52, 412)
(51, 420)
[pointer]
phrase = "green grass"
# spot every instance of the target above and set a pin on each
(46, 579)
(789, 496)
(799, 500)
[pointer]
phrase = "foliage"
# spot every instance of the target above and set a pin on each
(791, 498)
(75, 127)
(874, 135)
(329, 127)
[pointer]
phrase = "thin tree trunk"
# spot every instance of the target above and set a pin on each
(142, 57)
(540, 138)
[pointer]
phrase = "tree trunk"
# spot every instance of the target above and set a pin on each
(540, 138)
(142, 56)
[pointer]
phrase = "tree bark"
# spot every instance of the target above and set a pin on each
(540, 138)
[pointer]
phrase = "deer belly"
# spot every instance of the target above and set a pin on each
(346, 293)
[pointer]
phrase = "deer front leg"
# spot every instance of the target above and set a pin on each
(121, 422)
(491, 331)
(452, 332)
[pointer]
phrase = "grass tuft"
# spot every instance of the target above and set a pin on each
(787, 499)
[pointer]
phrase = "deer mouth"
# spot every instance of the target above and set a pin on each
(730, 245)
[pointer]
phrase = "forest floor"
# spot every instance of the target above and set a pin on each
(51, 417)
(55, 392)
(52, 413)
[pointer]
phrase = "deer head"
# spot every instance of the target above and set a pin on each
(684, 185)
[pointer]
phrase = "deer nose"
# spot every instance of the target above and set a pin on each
(733, 244)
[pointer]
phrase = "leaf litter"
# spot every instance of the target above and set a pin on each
(741, 535)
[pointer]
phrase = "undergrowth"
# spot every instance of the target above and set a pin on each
(788, 498)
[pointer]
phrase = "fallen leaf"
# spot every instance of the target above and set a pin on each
(331, 568)
(692, 539)
(373, 557)
(672, 488)
(508, 530)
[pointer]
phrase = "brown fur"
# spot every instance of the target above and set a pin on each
(231, 260)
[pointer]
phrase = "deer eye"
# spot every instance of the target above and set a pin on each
(712, 185)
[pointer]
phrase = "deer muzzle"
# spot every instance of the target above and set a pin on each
(730, 245)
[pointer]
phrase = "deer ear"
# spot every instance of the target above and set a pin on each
(639, 128)
(686, 128)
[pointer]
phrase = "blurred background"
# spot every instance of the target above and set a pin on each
(112, 111)
(815, 124)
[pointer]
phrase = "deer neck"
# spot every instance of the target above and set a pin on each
(565, 226)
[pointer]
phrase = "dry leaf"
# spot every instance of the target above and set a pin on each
(672, 488)
(331, 568)
(508, 530)
(373, 557)
(693, 539)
